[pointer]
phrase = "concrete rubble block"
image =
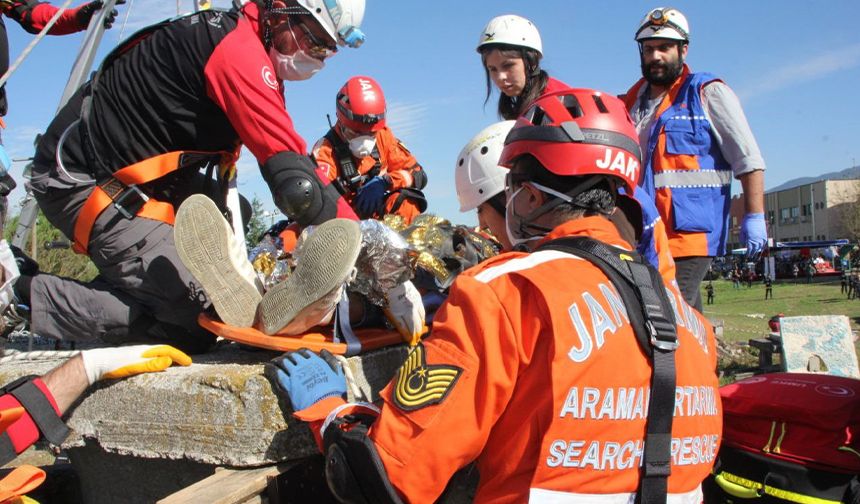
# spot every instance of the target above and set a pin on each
(219, 411)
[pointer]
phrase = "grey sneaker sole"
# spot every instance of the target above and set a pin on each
(327, 259)
(202, 238)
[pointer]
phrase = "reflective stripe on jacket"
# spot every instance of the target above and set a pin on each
(685, 170)
(549, 388)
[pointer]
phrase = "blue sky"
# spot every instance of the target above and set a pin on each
(795, 65)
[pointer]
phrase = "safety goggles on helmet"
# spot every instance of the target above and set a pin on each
(660, 18)
(350, 35)
(363, 119)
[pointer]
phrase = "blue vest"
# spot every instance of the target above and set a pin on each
(700, 199)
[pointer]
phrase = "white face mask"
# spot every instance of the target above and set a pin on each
(295, 67)
(363, 145)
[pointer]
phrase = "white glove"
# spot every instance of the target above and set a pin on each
(119, 362)
(405, 311)
(9, 273)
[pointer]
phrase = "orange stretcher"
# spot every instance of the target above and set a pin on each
(353, 343)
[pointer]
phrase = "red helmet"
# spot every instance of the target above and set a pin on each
(361, 105)
(578, 132)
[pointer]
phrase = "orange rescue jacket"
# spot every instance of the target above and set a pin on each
(395, 161)
(533, 370)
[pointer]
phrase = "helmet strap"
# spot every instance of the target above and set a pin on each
(269, 10)
(267, 28)
(558, 198)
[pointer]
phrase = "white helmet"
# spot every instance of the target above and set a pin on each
(478, 176)
(340, 19)
(664, 23)
(512, 30)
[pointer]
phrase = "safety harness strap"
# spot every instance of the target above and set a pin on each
(651, 316)
(7, 449)
(39, 408)
(348, 178)
(414, 195)
(123, 192)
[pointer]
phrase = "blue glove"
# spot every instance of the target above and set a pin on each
(370, 197)
(306, 377)
(754, 233)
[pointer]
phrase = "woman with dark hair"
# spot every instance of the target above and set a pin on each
(511, 50)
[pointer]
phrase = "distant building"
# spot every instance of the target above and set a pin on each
(806, 212)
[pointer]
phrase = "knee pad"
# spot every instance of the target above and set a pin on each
(297, 190)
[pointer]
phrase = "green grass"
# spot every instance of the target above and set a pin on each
(745, 312)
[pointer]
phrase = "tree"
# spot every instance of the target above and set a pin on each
(52, 252)
(257, 225)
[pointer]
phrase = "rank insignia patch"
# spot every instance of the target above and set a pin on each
(419, 385)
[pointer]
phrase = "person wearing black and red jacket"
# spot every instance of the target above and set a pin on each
(33, 16)
(127, 149)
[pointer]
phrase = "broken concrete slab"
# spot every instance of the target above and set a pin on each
(173, 428)
(221, 410)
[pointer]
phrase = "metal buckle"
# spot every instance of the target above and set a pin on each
(124, 195)
(663, 345)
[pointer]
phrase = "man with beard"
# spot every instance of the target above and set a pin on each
(694, 137)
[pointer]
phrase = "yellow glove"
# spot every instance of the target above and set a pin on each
(119, 362)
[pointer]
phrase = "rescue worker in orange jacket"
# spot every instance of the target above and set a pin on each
(480, 184)
(694, 138)
(552, 384)
(374, 171)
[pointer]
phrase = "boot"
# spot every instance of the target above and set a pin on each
(207, 247)
(309, 296)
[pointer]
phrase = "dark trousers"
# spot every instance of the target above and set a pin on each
(143, 292)
(690, 271)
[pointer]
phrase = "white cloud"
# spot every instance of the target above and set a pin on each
(406, 118)
(799, 72)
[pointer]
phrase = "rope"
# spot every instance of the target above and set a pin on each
(351, 383)
(33, 43)
(125, 21)
(12, 355)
